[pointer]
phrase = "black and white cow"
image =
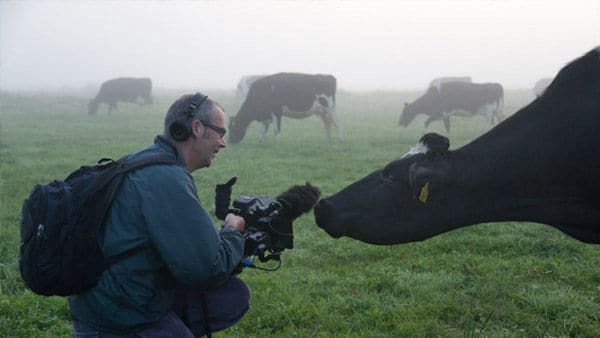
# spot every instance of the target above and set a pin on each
(457, 98)
(540, 165)
(286, 94)
(123, 89)
(244, 85)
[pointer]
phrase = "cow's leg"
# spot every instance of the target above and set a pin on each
(276, 126)
(263, 130)
(336, 122)
(499, 114)
(111, 107)
(427, 122)
(447, 123)
(490, 111)
(327, 123)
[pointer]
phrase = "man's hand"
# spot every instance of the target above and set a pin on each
(235, 221)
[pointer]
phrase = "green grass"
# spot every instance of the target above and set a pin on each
(488, 280)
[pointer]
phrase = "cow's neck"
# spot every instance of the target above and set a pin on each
(538, 159)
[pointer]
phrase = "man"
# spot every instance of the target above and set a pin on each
(178, 280)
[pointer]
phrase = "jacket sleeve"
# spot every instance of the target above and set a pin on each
(183, 233)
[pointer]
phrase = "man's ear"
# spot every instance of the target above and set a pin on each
(428, 180)
(197, 128)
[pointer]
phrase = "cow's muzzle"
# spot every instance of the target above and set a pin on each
(324, 218)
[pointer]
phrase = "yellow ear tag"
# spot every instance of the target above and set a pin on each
(424, 193)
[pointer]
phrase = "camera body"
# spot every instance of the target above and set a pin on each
(267, 232)
(269, 220)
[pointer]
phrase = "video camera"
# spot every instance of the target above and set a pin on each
(268, 220)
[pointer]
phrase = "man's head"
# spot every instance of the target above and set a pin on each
(195, 124)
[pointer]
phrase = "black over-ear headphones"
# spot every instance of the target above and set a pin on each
(180, 129)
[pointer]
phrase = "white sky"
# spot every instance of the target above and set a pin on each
(366, 44)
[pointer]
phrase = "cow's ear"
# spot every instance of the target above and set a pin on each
(435, 143)
(427, 180)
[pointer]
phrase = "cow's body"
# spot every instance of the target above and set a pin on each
(244, 85)
(437, 82)
(124, 89)
(541, 165)
(541, 85)
(286, 94)
(457, 99)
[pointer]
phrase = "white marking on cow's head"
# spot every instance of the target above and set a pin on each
(420, 148)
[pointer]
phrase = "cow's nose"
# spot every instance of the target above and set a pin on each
(323, 213)
(325, 218)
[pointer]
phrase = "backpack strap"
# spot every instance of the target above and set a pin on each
(126, 166)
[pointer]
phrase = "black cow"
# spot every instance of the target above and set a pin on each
(286, 94)
(457, 98)
(124, 89)
(541, 165)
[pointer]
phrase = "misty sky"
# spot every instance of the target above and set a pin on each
(366, 44)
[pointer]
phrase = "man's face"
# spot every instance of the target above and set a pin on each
(209, 141)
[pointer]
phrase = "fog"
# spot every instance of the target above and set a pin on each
(367, 45)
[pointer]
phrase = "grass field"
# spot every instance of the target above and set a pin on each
(488, 280)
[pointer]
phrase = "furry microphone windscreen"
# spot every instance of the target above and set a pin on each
(298, 199)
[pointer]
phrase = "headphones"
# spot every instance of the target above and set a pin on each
(180, 129)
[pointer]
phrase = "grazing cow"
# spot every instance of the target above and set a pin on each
(459, 99)
(437, 82)
(244, 85)
(540, 165)
(286, 94)
(124, 89)
(540, 86)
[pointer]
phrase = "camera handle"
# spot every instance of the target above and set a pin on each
(223, 198)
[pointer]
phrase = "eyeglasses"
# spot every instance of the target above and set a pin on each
(219, 130)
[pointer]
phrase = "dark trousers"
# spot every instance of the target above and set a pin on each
(194, 314)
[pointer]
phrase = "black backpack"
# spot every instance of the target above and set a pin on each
(62, 221)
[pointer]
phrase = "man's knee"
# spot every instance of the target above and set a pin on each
(215, 309)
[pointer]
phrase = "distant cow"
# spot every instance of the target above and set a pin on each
(124, 89)
(244, 85)
(286, 94)
(458, 99)
(540, 165)
(541, 85)
(437, 82)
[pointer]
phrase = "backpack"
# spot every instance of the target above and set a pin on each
(62, 221)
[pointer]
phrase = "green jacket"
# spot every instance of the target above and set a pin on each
(157, 208)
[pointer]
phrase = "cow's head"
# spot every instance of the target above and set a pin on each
(395, 204)
(422, 105)
(236, 130)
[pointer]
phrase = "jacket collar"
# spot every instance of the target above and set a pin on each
(163, 143)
